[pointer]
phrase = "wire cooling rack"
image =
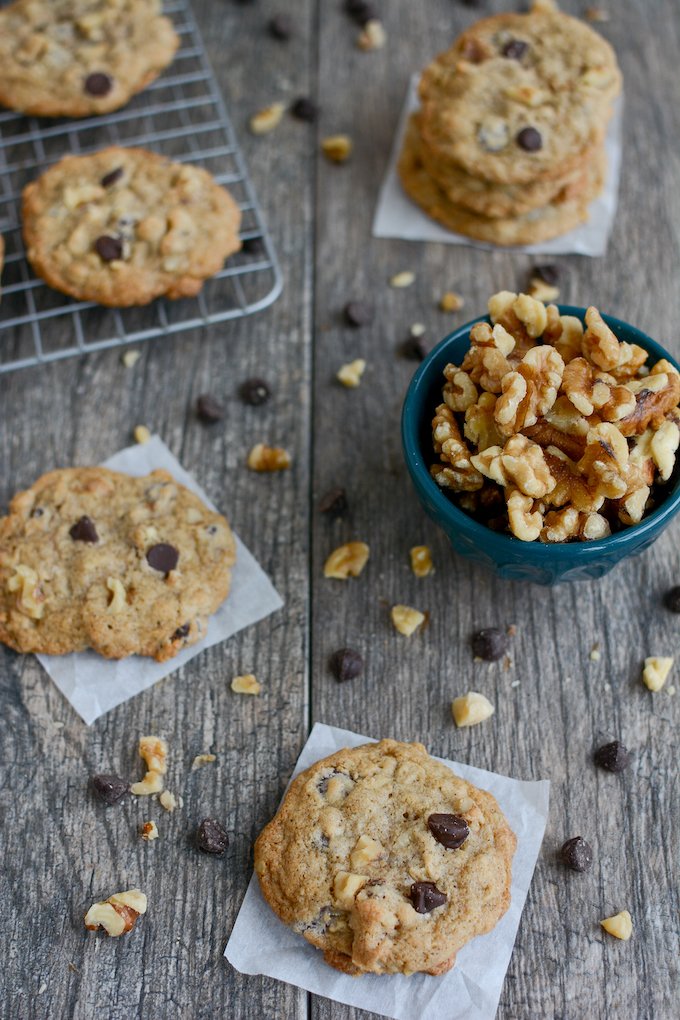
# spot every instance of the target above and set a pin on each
(181, 115)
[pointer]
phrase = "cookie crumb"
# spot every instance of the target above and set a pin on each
(373, 36)
(149, 831)
(350, 375)
(141, 434)
(264, 458)
(451, 302)
(267, 119)
(202, 759)
(655, 672)
(337, 148)
(421, 560)
(620, 925)
(346, 561)
(403, 279)
(246, 684)
(406, 619)
(471, 708)
(417, 330)
(130, 358)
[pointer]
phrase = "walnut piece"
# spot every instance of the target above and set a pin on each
(372, 36)
(266, 120)
(656, 671)
(456, 470)
(530, 391)
(366, 850)
(154, 751)
(620, 925)
(118, 913)
(337, 148)
(268, 458)
(246, 684)
(407, 620)
(203, 759)
(451, 302)
(345, 888)
(525, 522)
(168, 801)
(141, 434)
(403, 279)
(470, 709)
(118, 595)
(421, 560)
(350, 375)
(346, 561)
(31, 599)
(149, 831)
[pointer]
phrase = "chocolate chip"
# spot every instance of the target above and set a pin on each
(425, 896)
(671, 600)
(253, 246)
(360, 11)
(109, 788)
(84, 531)
(181, 632)
(98, 84)
(415, 348)
(281, 27)
(613, 757)
(209, 409)
(346, 664)
(162, 557)
(515, 49)
(359, 313)
(577, 854)
(529, 139)
(449, 830)
(211, 837)
(490, 644)
(304, 109)
(111, 178)
(108, 248)
(548, 272)
(334, 502)
(254, 392)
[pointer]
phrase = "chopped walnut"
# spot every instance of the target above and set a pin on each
(451, 302)
(531, 313)
(149, 831)
(569, 523)
(337, 148)
(403, 279)
(605, 461)
(620, 925)
(542, 291)
(130, 358)
(246, 684)
(525, 522)
(372, 36)
(530, 391)
(202, 759)
(168, 801)
(421, 560)
(656, 671)
(154, 751)
(118, 600)
(141, 434)
(345, 888)
(407, 620)
(350, 375)
(366, 850)
(346, 561)
(480, 425)
(266, 120)
(459, 392)
(456, 472)
(117, 914)
(655, 397)
(31, 598)
(268, 458)
(470, 709)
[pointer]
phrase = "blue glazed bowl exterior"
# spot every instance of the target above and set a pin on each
(505, 555)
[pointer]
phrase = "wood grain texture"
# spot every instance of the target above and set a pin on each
(61, 850)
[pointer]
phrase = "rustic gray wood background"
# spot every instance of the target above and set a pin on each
(62, 850)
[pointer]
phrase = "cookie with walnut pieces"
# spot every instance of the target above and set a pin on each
(124, 226)
(78, 58)
(90, 558)
(386, 860)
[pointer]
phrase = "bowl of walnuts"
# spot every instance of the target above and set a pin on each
(543, 439)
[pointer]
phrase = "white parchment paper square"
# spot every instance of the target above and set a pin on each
(397, 215)
(261, 944)
(95, 685)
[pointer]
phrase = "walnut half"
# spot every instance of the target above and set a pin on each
(117, 914)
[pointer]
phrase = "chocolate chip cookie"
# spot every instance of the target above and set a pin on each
(90, 558)
(76, 58)
(385, 860)
(124, 226)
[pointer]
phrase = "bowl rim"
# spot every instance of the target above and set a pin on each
(420, 475)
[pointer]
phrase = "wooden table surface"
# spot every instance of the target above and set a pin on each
(553, 706)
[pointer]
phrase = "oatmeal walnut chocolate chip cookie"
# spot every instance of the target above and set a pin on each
(90, 558)
(386, 860)
(75, 58)
(124, 226)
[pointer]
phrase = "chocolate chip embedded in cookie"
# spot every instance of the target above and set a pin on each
(75, 58)
(386, 860)
(90, 558)
(124, 226)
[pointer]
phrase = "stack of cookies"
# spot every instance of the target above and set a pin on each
(508, 144)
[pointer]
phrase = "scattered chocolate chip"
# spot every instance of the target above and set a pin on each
(181, 632)
(425, 896)
(280, 27)
(111, 178)
(253, 246)
(490, 644)
(211, 837)
(414, 348)
(108, 248)
(577, 854)
(84, 531)
(529, 139)
(346, 664)
(360, 11)
(548, 272)
(613, 757)
(515, 49)
(359, 313)
(109, 788)
(162, 557)
(209, 409)
(671, 600)
(334, 502)
(449, 830)
(98, 84)
(304, 109)
(254, 392)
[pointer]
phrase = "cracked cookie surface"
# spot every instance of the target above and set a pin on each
(386, 860)
(91, 558)
(124, 226)
(76, 58)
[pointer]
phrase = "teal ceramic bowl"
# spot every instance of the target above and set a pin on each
(507, 556)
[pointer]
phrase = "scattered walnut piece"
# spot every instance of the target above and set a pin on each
(154, 751)
(246, 684)
(149, 831)
(403, 279)
(471, 708)
(337, 148)
(407, 620)
(620, 925)
(202, 759)
(350, 375)
(117, 914)
(141, 434)
(417, 330)
(346, 561)
(168, 801)
(421, 560)
(656, 671)
(595, 653)
(372, 36)
(542, 291)
(451, 302)
(130, 358)
(268, 458)
(267, 119)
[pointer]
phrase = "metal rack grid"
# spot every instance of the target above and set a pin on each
(181, 115)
